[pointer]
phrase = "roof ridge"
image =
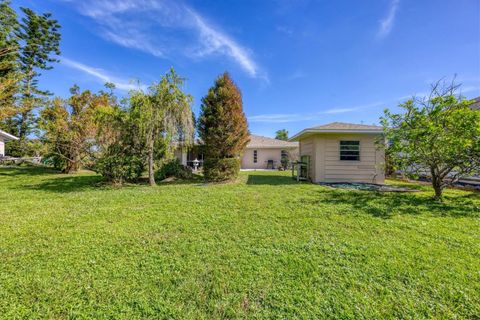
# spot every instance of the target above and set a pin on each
(346, 124)
(263, 141)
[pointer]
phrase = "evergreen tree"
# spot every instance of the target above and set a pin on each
(224, 129)
(8, 59)
(39, 40)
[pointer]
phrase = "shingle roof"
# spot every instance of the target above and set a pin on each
(265, 142)
(339, 127)
(346, 126)
(476, 104)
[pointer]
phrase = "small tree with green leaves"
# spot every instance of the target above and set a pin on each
(70, 128)
(121, 147)
(281, 134)
(164, 116)
(145, 130)
(223, 128)
(438, 136)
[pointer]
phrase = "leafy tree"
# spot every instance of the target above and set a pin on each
(281, 134)
(164, 115)
(70, 128)
(39, 40)
(145, 130)
(9, 75)
(438, 136)
(121, 148)
(224, 129)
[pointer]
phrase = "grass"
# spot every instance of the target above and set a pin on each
(263, 247)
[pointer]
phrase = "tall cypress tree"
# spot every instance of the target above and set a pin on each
(223, 128)
(39, 38)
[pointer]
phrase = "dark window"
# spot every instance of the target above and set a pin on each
(350, 150)
(255, 156)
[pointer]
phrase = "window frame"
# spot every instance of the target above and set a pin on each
(255, 156)
(350, 150)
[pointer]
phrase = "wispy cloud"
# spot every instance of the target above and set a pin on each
(153, 26)
(101, 75)
(215, 41)
(343, 110)
(284, 29)
(134, 40)
(295, 117)
(298, 74)
(386, 24)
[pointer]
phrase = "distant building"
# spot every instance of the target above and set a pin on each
(5, 137)
(260, 153)
(476, 104)
(267, 153)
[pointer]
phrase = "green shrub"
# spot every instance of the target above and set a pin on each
(119, 165)
(173, 168)
(221, 169)
(54, 160)
(285, 163)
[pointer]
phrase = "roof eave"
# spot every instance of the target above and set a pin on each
(313, 131)
(7, 136)
(272, 147)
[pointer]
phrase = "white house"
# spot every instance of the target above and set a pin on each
(343, 152)
(5, 137)
(260, 153)
(267, 153)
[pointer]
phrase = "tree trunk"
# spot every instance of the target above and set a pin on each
(151, 176)
(26, 106)
(73, 165)
(23, 127)
(437, 185)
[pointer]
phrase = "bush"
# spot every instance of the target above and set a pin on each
(55, 161)
(221, 169)
(173, 168)
(285, 163)
(119, 166)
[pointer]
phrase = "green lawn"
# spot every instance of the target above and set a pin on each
(264, 247)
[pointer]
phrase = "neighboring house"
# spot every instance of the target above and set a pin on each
(4, 137)
(267, 153)
(260, 153)
(476, 104)
(186, 155)
(342, 152)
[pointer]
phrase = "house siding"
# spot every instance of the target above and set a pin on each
(181, 155)
(329, 167)
(308, 148)
(263, 155)
(2, 147)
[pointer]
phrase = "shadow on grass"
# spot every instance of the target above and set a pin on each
(386, 205)
(75, 183)
(196, 179)
(11, 171)
(274, 180)
(66, 184)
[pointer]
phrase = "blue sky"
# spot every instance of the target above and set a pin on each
(298, 63)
